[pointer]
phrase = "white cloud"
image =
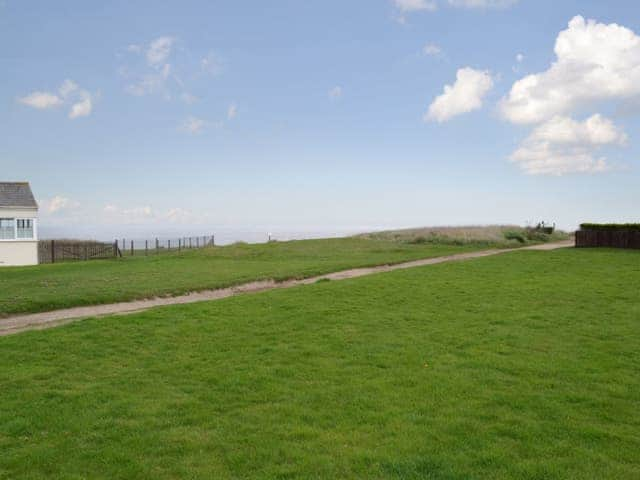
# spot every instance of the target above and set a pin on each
(211, 64)
(180, 215)
(562, 145)
(335, 92)
(138, 213)
(482, 3)
(188, 98)
(83, 107)
(465, 95)
(406, 6)
(193, 125)
(147, 215)
(41, 100)
(595, 62)
(69, 91)
(159, 50)
(67, 88)
(59, 203)
(232, 111)
(432, 50)
(519, 58)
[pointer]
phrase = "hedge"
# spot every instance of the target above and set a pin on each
(610, 226)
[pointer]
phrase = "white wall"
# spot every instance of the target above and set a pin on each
(19, 252)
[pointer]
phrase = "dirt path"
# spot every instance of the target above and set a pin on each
(54, 318)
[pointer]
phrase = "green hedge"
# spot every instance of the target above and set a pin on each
(610, 226)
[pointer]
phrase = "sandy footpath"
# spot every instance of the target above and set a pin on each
(19, 323)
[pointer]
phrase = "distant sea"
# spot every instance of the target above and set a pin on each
(223, 235)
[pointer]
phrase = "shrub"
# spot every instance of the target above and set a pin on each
(610, 226)
(514, 235)
(420, 240)
(536, 235)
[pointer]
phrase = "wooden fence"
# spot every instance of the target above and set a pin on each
(616, 238)
(52, 251)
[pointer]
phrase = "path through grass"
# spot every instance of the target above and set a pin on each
(50, 287)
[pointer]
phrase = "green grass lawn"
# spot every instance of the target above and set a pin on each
(49, 287)
(524, 365)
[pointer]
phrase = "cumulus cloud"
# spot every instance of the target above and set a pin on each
(595, 62)
(232, 111)
(188, 98)
(59, 203)
(193, 125)
(211, 64)
(406, 6)
(81, 108)
(69, 92)
(152, 78)
(147, 215)
(159, 50)
(432, 50)
(465, 95)
(41, 100)
(563, 145)
(482, 3)
(335, 92)
(67, 88)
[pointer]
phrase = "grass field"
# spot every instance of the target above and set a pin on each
(524, 365)
(49, 287)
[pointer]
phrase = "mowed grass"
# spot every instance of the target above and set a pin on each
(49, 287)
(524, 365)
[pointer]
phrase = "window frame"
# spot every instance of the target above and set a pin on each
(34, 228)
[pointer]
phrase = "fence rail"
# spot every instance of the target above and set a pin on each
(53, 251)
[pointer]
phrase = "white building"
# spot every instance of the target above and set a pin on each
(18, 224)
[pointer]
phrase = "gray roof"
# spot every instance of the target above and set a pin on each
(16, 194)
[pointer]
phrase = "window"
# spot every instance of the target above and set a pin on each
(25, 228)
(7, 229)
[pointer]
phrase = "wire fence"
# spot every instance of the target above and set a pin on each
(64, 250)
(157, 246)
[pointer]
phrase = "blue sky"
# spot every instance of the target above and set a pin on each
(320, 115)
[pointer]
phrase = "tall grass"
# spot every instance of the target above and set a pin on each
(489, 235)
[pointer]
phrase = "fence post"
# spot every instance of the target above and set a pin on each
(157, 246)
(146, 248)
(169, 244)
(213, 240)
(197, 242)
(179, 242)
(132, 248)
(190, 243)
(115, 248)
(124, 246)
(53, 251)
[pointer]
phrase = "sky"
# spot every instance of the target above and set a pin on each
(144, 118)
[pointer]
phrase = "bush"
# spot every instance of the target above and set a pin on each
(536, 235)
(418, 240)
(610, 226)
(515, 235)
